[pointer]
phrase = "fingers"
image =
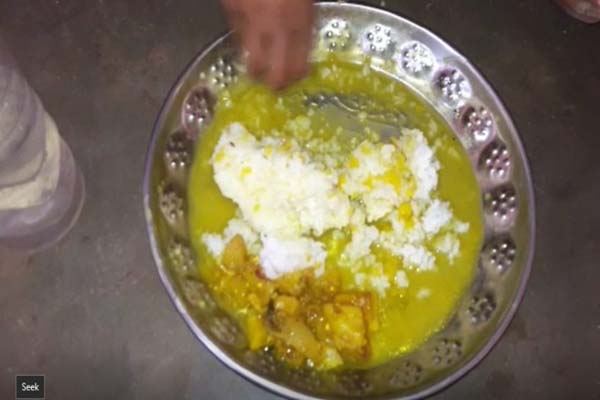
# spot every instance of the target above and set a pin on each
(257, 45)
(279, 72)
(292, 43)
(253, 33)
(299, 57)
(288, 59)
(301, 41)
(277, 36)
(234, 14)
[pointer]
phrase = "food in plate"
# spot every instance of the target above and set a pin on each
(333, 246)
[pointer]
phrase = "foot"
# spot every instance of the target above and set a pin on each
(585, 10)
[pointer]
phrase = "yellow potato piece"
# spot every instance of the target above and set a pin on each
(256, 332)
(348, 328)
(235, 254)
(297, 335)
(287, 305)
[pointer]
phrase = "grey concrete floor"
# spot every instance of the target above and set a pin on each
(91, 313)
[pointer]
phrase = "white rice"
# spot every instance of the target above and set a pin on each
(286, 199)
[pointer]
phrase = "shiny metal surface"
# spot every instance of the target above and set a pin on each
(456, 90)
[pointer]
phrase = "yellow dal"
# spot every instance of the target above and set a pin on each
(405, 320)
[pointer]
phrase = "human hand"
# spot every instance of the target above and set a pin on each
(277, 36)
